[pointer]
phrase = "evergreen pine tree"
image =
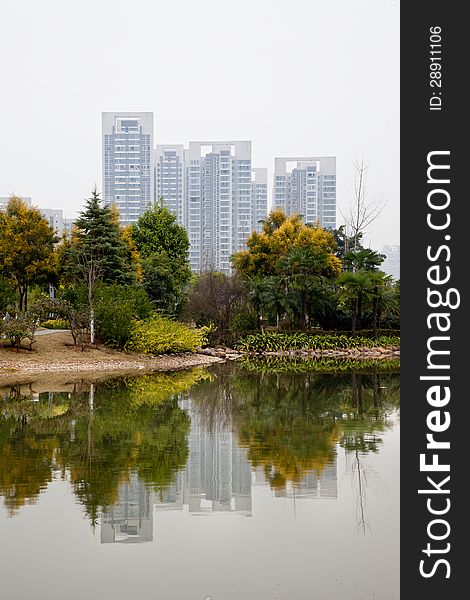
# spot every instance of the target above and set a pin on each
(98, 234)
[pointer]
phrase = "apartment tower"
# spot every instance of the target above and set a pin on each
(128, 169)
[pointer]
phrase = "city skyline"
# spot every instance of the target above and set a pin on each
(326, 83)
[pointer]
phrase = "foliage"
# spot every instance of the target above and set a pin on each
(244, 321)
(55, 324)
(159, 335)
(166, 281)
(217, 298)
(118, 437)
(285, 265)
(116, 307)
(24, 325)
(98, 249)
(293, 364)
(344, 242)
(7, 294)
(163, 246)
(78, 318)
(273, 341)
(18, 329)
(26, 247)
(281, 238)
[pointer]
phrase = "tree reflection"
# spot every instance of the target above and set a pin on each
(97, 438)
(291, 422)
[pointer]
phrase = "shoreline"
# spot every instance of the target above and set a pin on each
(170, 362)
(56, 357)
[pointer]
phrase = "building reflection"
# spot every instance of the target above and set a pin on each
(217, 478)
(130, 519)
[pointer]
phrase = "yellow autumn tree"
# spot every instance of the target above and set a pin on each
(285, 264)
(282, 237)
(26, 247)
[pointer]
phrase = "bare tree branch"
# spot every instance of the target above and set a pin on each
(362, 212)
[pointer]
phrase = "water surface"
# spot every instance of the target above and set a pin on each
(255, 482)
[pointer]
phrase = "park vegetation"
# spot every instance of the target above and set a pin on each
(295, 285)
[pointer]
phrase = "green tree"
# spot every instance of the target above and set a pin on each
(163, 246)
(98, 251)
(345, 242)
(354, 286)
(7, 293)
(26, 247)
(364, 259)
(283, 263)
(98, 238)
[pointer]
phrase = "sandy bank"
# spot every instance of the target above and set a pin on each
(55, 353)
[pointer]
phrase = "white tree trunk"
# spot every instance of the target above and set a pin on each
(92, 326)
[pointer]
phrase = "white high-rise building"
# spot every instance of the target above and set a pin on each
(219, 213)
(169, 178)
(307, 186)
(259, 194)
(391, 264)
(128, 168)
(54, 216)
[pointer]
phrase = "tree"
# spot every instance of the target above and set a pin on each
(97, 251)
(362, 211)
(26, 247)
(284, 260)
(279, 237)
(353, 288)
(364, 259)
(344, 242)
(163, 246)
(7, 293)
(216, 298)
(99, 235)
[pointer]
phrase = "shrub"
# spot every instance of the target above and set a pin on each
(333, 365)
(56, 324)
(116, 307)
(244, 321)
(278, 341)
(23, 327)
(159, 335)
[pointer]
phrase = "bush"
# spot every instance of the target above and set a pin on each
(56, 324)
(244, 322)
(18, 329)
(271, 341)
(116, 308)
(159, 335)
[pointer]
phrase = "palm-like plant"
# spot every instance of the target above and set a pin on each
(353, 287)
(362, 260)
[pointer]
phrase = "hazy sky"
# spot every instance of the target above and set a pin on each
(297, 77)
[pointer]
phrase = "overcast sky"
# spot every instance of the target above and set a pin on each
(297, 77)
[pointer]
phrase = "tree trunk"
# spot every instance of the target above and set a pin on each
(374, 311)
(90, 304)
(354, 316)
(92, 326)
(359, 311)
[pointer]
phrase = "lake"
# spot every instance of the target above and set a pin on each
(259, 480)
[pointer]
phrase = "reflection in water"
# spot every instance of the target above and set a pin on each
(191, 441)
(130, 518)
